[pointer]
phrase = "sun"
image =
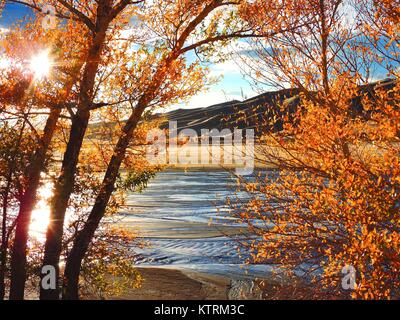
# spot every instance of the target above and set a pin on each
(40, 65)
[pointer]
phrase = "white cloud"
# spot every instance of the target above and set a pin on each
(226, 68)
(231, 66)
(212, 97)
(207, 99)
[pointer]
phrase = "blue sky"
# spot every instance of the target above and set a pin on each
(231, 86)
(12, 13)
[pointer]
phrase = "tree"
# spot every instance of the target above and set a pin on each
(332, 204)
(15, 154)
(52, 95)
(108, 241)
(95, 31)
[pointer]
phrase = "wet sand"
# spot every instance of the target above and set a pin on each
(170, 284)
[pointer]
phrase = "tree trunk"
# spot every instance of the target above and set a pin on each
(85, 236)
(18, 255)
(3, 261)
(65, 183)
(4, 245)
(62, 192)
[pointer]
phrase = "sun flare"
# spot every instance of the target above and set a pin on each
(40, 218)
(41, 214)
(5, 63)
(40, 65)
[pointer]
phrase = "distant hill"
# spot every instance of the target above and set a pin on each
(252, 112)
(234, 114)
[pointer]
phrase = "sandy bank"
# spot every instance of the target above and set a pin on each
(172, 284)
